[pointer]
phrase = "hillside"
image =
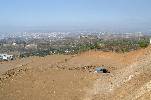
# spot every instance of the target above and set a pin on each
(66, 77)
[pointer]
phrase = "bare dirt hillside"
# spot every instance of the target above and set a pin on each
(68, 77)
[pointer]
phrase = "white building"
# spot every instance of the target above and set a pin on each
(6, 57)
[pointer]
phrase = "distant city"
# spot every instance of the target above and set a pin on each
(61, 35)
(43, 43)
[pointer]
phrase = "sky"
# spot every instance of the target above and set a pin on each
(75, 15)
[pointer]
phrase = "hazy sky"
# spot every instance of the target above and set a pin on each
(61, 15)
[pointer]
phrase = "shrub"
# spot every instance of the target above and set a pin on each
(143, 43)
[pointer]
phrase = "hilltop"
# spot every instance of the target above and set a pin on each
(72, 77)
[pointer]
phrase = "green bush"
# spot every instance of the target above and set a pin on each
(143, 43)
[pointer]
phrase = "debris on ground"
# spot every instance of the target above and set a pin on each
(101, 70)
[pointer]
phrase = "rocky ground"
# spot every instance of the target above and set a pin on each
(68, 77)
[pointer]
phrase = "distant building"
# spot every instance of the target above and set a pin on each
(6, 57)
(31, 46)
(88, 37)
(14, 44)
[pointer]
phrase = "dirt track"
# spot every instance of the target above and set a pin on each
(61, 77)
